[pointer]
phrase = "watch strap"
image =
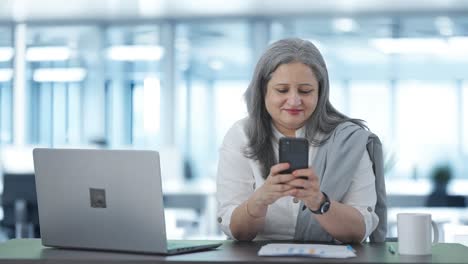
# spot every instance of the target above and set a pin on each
(326, 202)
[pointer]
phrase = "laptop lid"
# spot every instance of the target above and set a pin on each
(100, 199)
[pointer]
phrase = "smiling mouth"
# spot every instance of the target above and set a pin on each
(293, 111)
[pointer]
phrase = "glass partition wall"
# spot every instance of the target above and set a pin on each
(179, 85)
(60, 65)
(134, 81)
(91, 84)
(403, 76)
(6, 84)
(213, 67)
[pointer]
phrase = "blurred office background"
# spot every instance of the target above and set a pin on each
(170, 75)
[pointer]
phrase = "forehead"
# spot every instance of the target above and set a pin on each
(293, 71)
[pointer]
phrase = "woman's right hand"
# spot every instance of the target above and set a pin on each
(274, 188)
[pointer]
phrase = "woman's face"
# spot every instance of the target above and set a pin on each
(291, 97)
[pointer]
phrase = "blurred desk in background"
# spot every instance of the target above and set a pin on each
(412, 200)
(198, 195)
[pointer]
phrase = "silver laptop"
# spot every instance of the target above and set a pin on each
(105, 200)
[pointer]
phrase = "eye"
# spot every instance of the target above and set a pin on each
(308, 91)
(282, 90)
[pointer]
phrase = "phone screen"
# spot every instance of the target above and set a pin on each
(295, 151)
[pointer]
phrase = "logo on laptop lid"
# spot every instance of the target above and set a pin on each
(97, 198)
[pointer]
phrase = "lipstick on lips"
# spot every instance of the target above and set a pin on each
(293, 111)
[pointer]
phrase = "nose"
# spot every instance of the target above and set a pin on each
(294, 100)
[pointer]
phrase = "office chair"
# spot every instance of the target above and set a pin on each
(374, 148)
(19, 204)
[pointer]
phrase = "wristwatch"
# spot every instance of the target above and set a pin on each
(324, 206)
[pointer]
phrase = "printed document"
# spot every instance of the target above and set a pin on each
(308, 250)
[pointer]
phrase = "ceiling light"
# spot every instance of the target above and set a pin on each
(6, 75)
(59, 75)
(135, 53)
(6, 53)
(409, 45)
(50, 53)
(345, 25)
(444, 25)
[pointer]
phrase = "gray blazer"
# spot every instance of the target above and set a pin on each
(337, 159)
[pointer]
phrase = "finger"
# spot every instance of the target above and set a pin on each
(281, 188)
(282, 178)
(277, 168)
(309, 173)
(277, 195)
(303, 193)
(292, 192)
(314, 188)
(301, 183)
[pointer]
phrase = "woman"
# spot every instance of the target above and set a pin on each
(288, 96)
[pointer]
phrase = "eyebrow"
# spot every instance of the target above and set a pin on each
(306, 84)
(300, 84)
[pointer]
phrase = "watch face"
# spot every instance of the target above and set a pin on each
(325, 207)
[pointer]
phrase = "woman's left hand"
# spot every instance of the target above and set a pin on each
(308, 189)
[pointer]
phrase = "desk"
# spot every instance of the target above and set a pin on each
(31, 251)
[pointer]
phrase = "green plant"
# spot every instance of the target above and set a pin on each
(442, 174)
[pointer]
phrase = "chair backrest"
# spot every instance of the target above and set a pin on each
(20, 188)
(374, 147)
(19, 200)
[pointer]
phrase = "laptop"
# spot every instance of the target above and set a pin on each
(104, 200)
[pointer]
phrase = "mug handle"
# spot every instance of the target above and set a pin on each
(436, 232)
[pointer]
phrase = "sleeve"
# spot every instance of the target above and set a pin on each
(362, 194)
(235, 181)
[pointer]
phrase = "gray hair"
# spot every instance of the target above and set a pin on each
(324, 119)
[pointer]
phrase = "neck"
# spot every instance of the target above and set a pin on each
(285, 131)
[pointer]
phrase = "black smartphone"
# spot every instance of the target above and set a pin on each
(295, 151)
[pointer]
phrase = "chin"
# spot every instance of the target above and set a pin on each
(294, 125)
(295, 122)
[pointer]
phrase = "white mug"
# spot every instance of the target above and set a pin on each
(414, 234)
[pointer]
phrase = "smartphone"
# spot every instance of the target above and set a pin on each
(294, 151)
